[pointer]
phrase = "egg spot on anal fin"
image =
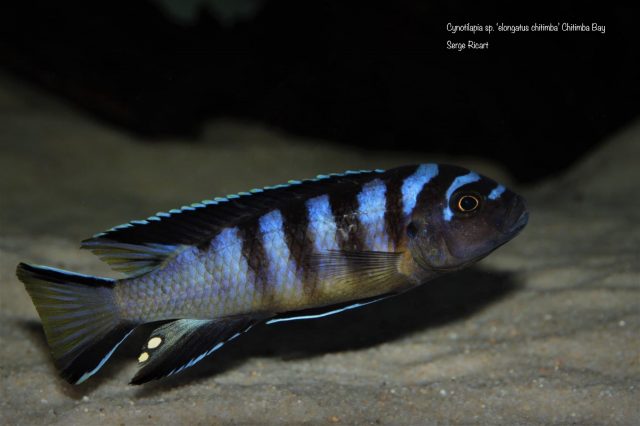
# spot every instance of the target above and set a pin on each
(154, 342)
(143, 357)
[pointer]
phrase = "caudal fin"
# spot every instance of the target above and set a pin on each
(79, 316)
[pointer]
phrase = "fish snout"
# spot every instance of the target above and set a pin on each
(516, 217)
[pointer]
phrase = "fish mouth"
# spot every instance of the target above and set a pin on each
(511, 232)
(520, 223)
(516, 218)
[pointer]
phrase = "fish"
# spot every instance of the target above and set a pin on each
(206, 273)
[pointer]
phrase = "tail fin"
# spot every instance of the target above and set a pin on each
(79, 316)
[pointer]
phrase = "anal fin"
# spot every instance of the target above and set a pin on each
(181, 344)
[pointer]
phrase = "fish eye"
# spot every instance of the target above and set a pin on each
(468, 203)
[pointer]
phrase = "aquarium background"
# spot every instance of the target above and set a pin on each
(373, 75)
(111, 111)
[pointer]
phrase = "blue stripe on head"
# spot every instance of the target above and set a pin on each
(322, 224)
(371, 209)
(497, 192)
(412, 186)
(457, 183)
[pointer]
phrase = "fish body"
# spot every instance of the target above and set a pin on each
(212, 270)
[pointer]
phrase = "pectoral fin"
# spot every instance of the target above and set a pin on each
(372, 268)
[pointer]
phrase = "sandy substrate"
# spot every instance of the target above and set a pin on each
(545, 330)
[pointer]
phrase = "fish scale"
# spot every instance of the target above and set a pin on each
(214, 269)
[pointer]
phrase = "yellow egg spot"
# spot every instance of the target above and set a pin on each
(143, 357)
(154, 342)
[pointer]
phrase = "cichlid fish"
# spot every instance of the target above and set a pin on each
(210, 271)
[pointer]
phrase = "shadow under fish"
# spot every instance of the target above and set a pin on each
(208, 272)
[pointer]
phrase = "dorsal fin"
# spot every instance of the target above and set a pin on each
(198, 222)
(132, 259)
(140, 246)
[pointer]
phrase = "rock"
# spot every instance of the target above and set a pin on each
(545, 330)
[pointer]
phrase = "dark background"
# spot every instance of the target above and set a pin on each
(352, 72)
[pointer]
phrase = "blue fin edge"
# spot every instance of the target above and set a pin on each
(218, 200)
(325, 314)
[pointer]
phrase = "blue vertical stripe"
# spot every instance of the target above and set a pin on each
(281, 272)
(412, 186)
(457, 183)
(371, 209)
(322, 225)
(232, 273)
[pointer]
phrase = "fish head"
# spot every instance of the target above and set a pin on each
(461, 217)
